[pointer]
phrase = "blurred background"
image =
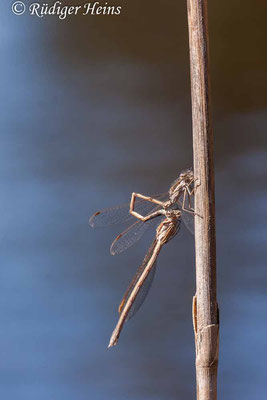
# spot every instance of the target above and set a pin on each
(93, 108)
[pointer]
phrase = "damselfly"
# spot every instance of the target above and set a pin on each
(172, 206)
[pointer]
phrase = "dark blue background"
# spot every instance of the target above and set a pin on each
(93, 108)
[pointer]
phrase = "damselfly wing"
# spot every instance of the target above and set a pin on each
(131, 235)
(120, 214)
(188, 217)
(143, 292)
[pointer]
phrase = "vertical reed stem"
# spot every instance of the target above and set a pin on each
(205, 309)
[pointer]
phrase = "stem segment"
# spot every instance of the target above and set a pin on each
(205, 308)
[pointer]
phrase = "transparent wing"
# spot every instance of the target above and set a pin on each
(141, 296)
(111, 216)
(187, 217)
(142, 293)
(119, 214)
(188, 220)
(132, 234)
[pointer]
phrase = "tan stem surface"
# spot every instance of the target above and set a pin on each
(205, 309)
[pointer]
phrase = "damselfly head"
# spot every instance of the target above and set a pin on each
(187, 175)
(185, 178)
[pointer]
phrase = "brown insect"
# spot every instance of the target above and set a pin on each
(170, 208)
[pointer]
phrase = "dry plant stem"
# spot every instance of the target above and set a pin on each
(205, 309)
(116, 333)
